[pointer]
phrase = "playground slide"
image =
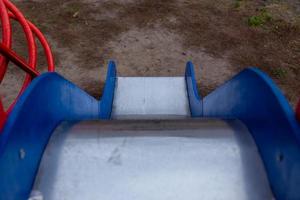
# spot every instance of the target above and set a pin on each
(265, 121)
(147, 137)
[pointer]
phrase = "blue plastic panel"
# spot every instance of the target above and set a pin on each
(252, 97)
(48, 100)
(196, 106)
(108, 94)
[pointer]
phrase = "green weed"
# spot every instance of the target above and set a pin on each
(279, 72)
(259, 20)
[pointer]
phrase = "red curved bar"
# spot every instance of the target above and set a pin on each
(298, 111)
(32, 51)
(2, 115)
(7, 11)
(44, 43)
(6, 37)
(12, 56)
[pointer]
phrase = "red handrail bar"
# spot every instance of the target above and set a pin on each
(9, 11)
(6, 37)
(41, 38)
(3, 115)
(298, 111)
(17, 60)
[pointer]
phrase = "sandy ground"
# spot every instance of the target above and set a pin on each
(157, 38)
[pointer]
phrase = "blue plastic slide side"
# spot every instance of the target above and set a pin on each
(48, 100)
(108, 92)
(195, 102)
(253, 98)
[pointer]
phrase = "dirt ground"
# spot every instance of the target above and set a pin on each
(157, 38)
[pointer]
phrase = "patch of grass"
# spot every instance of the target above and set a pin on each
(279, 72)
(261, 19)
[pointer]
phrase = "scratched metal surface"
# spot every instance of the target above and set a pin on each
(154, 159)
(150, 97)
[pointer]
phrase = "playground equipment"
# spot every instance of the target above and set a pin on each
(147, 137)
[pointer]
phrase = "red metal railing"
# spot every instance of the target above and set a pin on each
(9, 11)
(298, 111)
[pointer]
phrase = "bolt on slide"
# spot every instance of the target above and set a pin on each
(146, 138)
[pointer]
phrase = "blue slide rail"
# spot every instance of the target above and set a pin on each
(252, 97)
(106, 102)
(48, 100)
(195, 102)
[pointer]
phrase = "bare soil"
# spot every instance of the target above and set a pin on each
(157, 38)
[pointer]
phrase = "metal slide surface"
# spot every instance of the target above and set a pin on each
(154, 159)
(150, 97)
